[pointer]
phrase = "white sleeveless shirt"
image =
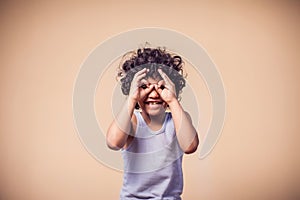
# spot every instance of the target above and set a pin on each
(153, 163)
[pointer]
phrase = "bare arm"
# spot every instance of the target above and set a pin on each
(186, 133)
(119, 130)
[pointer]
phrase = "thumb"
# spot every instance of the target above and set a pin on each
(158, 89)
(149, 89)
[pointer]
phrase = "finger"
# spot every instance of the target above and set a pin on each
(161, 84)
(138, 76)
(141, 74)
(158, 89)
(164, 76)
(143, 83)
(141, 71)
(146, 91)
(149, 89)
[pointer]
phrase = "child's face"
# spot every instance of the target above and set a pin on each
(152, 103)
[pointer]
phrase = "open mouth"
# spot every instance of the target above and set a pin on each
(153, 102)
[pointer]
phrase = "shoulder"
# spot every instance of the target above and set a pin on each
(185, 112)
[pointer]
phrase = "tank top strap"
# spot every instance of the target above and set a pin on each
(140, 119)
(142, 125)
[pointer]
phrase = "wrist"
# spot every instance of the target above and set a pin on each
(173, 104)
(131, 103)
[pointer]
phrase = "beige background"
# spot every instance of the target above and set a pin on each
(255, 45)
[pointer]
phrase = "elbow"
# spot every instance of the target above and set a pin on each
(191, 150)
(112, 144)
(193, 146)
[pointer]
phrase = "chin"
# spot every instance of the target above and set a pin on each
(154, 110)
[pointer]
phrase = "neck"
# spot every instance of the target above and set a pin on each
(154, 121)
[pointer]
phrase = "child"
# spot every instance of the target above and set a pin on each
(152, 140)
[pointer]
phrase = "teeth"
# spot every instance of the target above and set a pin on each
(153, 103)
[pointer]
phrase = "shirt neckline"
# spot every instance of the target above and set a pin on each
(153, 132)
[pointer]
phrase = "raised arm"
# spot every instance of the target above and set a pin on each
(119, 130)
(186, 133)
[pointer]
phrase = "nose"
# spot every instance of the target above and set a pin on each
(153, 94)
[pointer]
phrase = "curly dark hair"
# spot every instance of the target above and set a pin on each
(153, 59)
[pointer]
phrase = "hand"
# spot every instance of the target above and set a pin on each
(137, 91)
(166, 88)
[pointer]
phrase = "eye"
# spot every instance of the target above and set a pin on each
(144, 86)
(162, 87)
